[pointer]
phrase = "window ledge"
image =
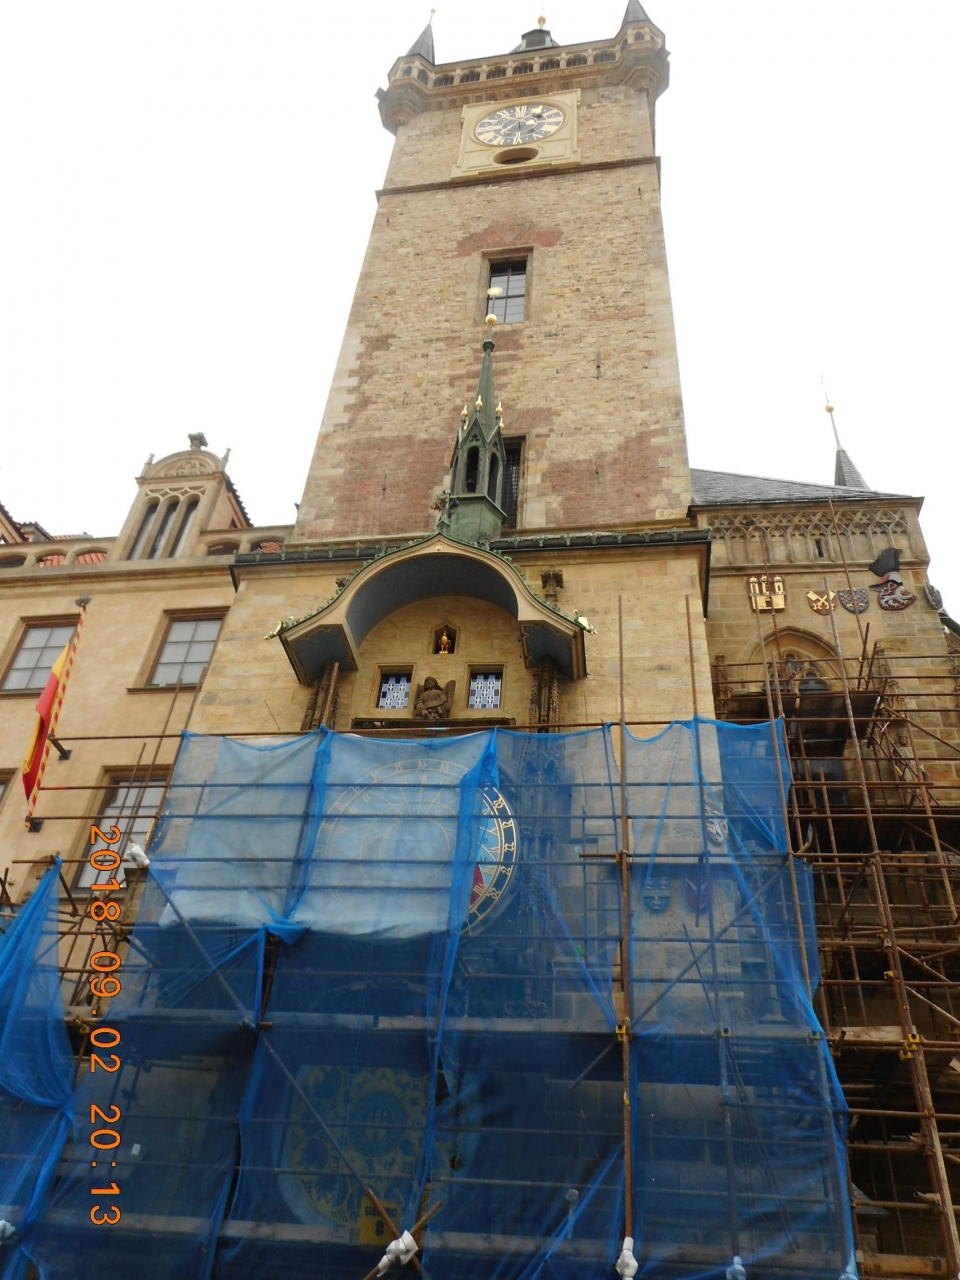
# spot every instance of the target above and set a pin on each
(158, 688)
(23, 693)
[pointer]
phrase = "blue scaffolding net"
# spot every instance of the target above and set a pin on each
(376, 982)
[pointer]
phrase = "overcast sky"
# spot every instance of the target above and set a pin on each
(186, 190)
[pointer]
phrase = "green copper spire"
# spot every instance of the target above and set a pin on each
(472, 511)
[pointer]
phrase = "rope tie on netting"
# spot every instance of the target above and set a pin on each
(626, 1264)
(399, 1252)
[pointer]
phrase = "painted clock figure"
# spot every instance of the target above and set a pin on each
(525, 122)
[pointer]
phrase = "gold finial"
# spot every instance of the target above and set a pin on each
(491, 320)
(499, 410)
(828, 408)
(464, 413)
(444, 643)
(478, 403)
(542, 21)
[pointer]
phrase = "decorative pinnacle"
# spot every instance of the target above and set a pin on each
(478, 403)
(542, 21)
(465, 413)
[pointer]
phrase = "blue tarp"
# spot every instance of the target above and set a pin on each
(394, 968)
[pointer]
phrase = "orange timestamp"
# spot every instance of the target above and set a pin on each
(104, 982)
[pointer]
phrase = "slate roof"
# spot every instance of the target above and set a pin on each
(724, 488)
(846, 473)
(635, 13)
(422, 47)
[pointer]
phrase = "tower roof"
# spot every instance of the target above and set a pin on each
(846, 474)
(844, 471)
(422, 47)
(538, 38)
(484, 408)
(635, 13)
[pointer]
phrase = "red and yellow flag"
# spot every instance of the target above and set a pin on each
(48, 712)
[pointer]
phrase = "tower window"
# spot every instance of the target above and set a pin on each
(146, 524)
(408, 71)
(442, 81)
(485, 690)
(496, 72)
(469, 77)
(510, 493)
(511, 279)
(394, 694)
(472, 472)
(186, 520)
(492, 481)
(423, 77)
(156, 546)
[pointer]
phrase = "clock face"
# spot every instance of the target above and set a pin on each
(526, 122)
(400, 823)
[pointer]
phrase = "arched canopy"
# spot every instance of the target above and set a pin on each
(435, 567)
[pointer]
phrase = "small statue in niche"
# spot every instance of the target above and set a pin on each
(444, 643)
(432, 701)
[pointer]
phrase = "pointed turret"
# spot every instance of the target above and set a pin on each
(635, 13)
(423, 45)
(472, 512)
(845, 474)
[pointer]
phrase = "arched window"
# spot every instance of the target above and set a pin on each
(606, 56)
(136, 551)
(494, 477)
(469, 77)
(578, 60)
(496, 72)
(472, 473)
(523, 69)
(186, 520)
(423, 77)
(550, 64)
(166, 520)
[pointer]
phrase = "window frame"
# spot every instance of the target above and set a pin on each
(476, 669)
(509, 444)
(189, 615)
(508, 259)
(114, 779)
(27, 625)
(393, 671)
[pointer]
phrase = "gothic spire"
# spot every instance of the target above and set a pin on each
(472, 511)
(845, 474)
(423, 45)
(635, 13)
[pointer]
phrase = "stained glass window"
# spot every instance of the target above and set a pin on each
(484, 690)
(394, 691)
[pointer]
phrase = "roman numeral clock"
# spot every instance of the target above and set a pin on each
(534, 133)
(523, 122)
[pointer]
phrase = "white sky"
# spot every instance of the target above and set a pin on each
(186, 189)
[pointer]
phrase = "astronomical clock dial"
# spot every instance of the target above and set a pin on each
(405, 813)
(525, 122)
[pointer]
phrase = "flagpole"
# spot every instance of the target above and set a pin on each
(32, 823)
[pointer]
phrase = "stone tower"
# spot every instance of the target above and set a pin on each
(533, 174)
(475, 560)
